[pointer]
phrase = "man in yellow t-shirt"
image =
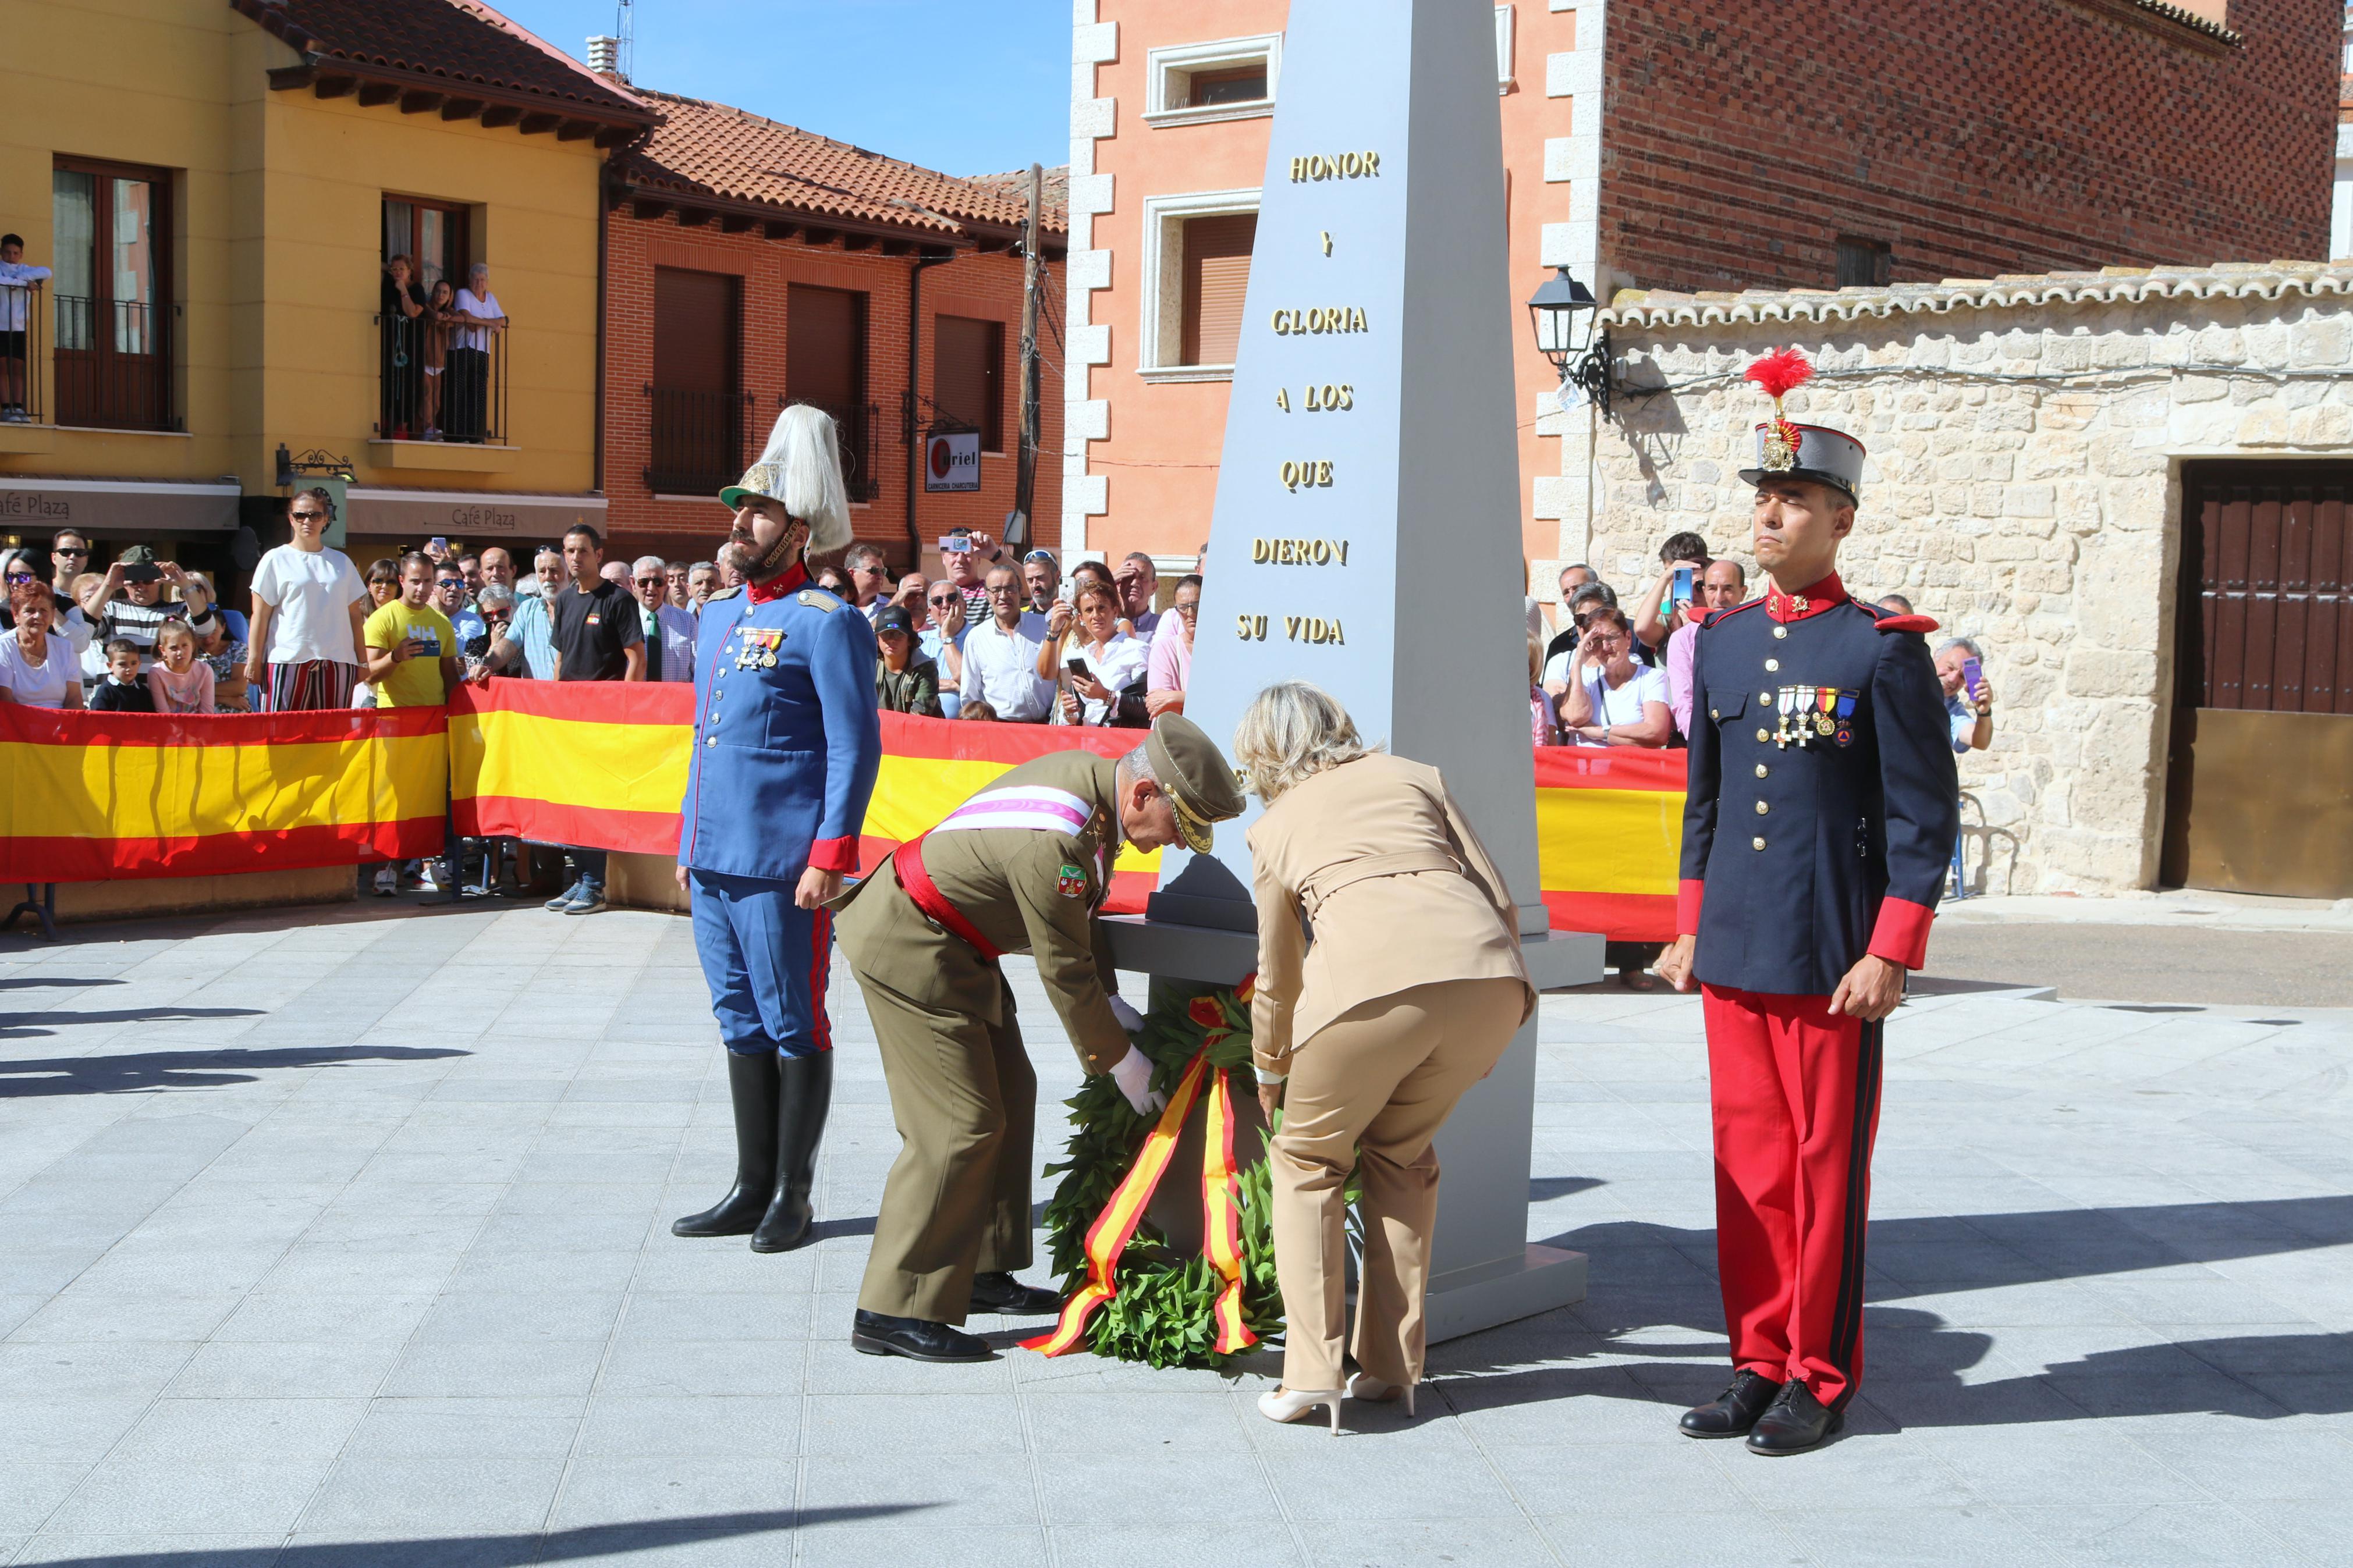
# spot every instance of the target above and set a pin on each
(412, 648)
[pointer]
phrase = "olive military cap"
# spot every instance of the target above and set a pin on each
(1195, 775)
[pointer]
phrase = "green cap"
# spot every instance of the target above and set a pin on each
(137, 556)
(1198, 779)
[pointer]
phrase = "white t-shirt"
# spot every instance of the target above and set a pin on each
(1622, 706)
(1118, 667)
(483, 307)
(43, 685)
(311, 598)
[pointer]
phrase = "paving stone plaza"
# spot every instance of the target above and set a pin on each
(340, 1238)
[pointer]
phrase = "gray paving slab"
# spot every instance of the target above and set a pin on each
(337, 1238)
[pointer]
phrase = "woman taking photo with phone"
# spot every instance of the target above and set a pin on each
(1413, 988)
(1100, 662)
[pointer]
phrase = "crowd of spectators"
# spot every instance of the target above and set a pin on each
(436, 350)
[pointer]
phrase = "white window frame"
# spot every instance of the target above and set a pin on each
(1503, 49)
(1160, 308)
(1217, 54)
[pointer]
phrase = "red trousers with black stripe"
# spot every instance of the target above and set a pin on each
(1795, 1097)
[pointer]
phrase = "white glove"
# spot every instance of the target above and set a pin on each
(1129, 1019)
(1133, 1073)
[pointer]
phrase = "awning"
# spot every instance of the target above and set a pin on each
(469, 514)
(28, 506)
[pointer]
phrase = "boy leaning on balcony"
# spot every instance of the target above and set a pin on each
(17, 282)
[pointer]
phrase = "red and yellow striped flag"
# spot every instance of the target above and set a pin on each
(1610, 832)
(87, 797)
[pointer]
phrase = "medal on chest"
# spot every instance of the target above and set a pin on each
(1811, 713)
(758, 649)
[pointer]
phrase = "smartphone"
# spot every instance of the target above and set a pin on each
(1682, 584)
(1972, 671)
(1077, 666)
(957, 541)
(438, 541)
(142, 573)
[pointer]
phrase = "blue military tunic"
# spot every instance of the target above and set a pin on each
(785, 747)
(1823, 801)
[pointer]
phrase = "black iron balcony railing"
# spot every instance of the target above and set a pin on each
(23, 320)
(858, 421)
(440, 381)
(697, 440)
(114, 364)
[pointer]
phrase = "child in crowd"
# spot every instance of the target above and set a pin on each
(436, 323)
(181, 682)
(123, 690)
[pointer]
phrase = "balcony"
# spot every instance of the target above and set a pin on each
(111, 365)
(456, 420)
(858, 422)
(696, 440)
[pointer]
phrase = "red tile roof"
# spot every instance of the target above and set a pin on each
(456, 43)
(712, 150)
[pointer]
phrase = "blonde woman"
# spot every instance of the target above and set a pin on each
(1411, 991)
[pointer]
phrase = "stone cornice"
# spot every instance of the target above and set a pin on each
(1632, 307)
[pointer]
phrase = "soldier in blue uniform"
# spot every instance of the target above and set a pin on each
(1818, 821)
(785, 748)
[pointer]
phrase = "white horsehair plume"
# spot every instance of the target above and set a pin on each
(805, 448)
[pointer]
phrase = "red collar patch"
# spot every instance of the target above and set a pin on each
(777, 587)
(1812, 600)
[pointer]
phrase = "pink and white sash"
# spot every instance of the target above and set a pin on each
(1029, 806)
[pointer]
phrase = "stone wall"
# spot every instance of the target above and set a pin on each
(2026, 440)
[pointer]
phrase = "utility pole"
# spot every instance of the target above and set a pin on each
(1025, 484)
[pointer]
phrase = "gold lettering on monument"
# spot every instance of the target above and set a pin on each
(1335, 166)
(1250, 629)
(1311, 629)
(1312, 473)
(1336, 319)
(1299, 551)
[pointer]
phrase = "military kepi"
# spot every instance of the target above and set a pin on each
(1788, 450)
(1195, 775)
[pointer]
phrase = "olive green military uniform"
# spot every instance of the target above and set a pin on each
(963, 1094)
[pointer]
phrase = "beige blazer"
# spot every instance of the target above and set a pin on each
(1375, 858)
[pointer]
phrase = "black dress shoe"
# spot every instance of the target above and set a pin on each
(917, 1339)
(1731, 1413)
(1797, 1421)
(1003, 1293)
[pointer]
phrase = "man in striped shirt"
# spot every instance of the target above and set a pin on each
(130, 605)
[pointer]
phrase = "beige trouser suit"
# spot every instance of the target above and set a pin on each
(1413, 988)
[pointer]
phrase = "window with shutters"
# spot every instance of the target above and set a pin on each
(968, 376)
(1195, 266)
(696, 398)
(825, 364)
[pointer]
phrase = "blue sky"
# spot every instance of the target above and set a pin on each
(970, 87)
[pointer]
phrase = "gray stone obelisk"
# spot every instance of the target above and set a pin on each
(1367, 534)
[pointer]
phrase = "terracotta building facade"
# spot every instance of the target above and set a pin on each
(1800, 144)
(750, 264)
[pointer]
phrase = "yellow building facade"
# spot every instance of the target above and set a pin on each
(215, 188)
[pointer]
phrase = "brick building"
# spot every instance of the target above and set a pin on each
(749, 264)
(1677, 144)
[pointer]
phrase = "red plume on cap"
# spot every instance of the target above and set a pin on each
(1780, 373)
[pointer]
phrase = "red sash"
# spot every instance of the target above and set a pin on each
(907, 860)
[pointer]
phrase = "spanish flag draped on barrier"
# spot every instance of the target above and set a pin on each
(90, 796)
(87, 797)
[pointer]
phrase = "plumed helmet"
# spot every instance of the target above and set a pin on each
(802, 469)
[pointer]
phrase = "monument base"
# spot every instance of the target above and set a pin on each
(1469, 1300)
(1216, 955)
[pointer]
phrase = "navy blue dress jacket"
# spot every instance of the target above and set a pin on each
(1822, 804)
(787, 740)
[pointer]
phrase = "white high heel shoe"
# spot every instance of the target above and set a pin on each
(1289, 1404)
(1372, 1390)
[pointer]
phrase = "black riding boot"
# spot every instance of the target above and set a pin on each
(800, 1127)
(753, 1084)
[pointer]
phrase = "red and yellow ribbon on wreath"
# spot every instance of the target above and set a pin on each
(1221, 1240)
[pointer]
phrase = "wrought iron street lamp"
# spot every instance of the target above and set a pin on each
(1562, 312)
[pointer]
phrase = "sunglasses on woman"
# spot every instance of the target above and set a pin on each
(22, 577)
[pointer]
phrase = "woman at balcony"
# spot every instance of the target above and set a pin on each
(37, 665)
(399, 314)
(440, 307)
(476, 322)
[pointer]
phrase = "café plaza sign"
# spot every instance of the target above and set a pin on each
(472, 514)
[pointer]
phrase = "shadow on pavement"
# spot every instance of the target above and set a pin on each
(39, 1078)
(28, 1025)
(498, 1551)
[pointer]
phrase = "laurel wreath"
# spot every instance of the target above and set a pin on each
(1164, 1313)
